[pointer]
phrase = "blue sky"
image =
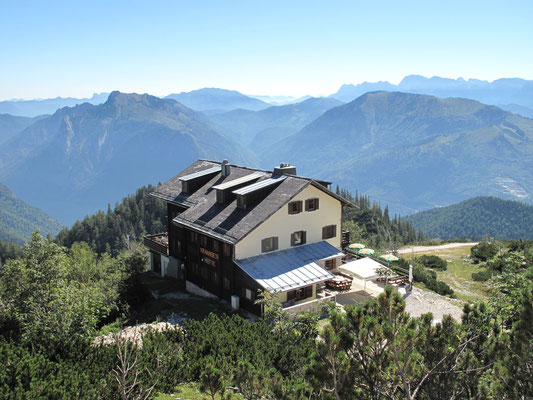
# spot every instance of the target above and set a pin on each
(76, 48)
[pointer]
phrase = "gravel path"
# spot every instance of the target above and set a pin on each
(421, 249)
(420, 302)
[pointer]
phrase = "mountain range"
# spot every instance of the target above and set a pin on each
(33, 108)
(474, 218)
(18, 219)
(213, 100)
(511, 94)
(410, 151)
(79, 159)
(259, 129)
(415, 152)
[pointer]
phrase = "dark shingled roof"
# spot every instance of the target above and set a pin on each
(226, 221)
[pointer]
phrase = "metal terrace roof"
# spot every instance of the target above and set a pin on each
(260, 185)
(203, 172)
(289, 269)
(239, 181)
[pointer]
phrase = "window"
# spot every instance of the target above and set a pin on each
(249, 294)
(227, 284)
(299, 294)
(329, 231)
(330, 264)
(295, 207)
(298, 238)
(311, 204)
(269, 244)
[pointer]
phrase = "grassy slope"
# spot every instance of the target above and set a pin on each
(459, 272)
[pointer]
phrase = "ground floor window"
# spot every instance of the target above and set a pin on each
(330, 264)
(300, 294)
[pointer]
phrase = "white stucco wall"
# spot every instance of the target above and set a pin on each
(282, 224)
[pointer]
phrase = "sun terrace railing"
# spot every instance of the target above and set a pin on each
(312, 305)
(157, 243)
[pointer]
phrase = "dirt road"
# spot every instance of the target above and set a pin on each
(423, 249)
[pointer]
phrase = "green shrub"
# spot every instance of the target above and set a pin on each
(483, 251)
(482, 276)
(433, 262)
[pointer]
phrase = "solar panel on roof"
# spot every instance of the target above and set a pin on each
(201, 173)
(238, 181)
(259, 185)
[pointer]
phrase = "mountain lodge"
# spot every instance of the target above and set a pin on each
(233, 231)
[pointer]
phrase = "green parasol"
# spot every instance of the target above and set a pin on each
(366, 252)
(389, 257)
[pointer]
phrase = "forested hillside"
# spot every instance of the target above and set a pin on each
(373, 226)
(19, 219)
(477, 217)
(111, 232)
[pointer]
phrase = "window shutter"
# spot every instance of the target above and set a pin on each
(307, 205)
(325, 232)
(303, 237)
(275, 243)
(291, 295)
(263, 246)
(308, 291)
(293, 239)
(300, 206)
(316, 203)
(334, 231)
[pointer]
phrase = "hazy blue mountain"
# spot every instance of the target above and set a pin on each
(212, 100)
(502, 91)
(10, 125)
(473, 218)
(259, 129)
(33, 108)
(415, 152)
(280, 100)
(520, 110)
(18, 219)
(79, 159)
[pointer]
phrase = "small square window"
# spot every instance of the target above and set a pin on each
(269, 244)
(330, 264)
(249, 294)
(329, 231)
(295, 207)
(311, 204)
(298, 238)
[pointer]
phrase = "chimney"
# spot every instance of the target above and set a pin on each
(225, 169)
(284, 169)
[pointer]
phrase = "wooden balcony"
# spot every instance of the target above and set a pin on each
(157, 243)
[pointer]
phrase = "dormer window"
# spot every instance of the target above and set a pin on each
(311, 204)
(295, 207)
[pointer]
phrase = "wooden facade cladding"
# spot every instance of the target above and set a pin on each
(209, 265)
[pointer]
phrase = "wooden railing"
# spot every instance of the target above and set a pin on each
(157, 243)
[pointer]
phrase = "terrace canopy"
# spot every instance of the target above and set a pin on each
(364, 268)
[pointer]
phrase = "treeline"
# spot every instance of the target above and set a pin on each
(375, 227)
(111, 232)
(9, 251)
(474, 218)
(52, 299)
